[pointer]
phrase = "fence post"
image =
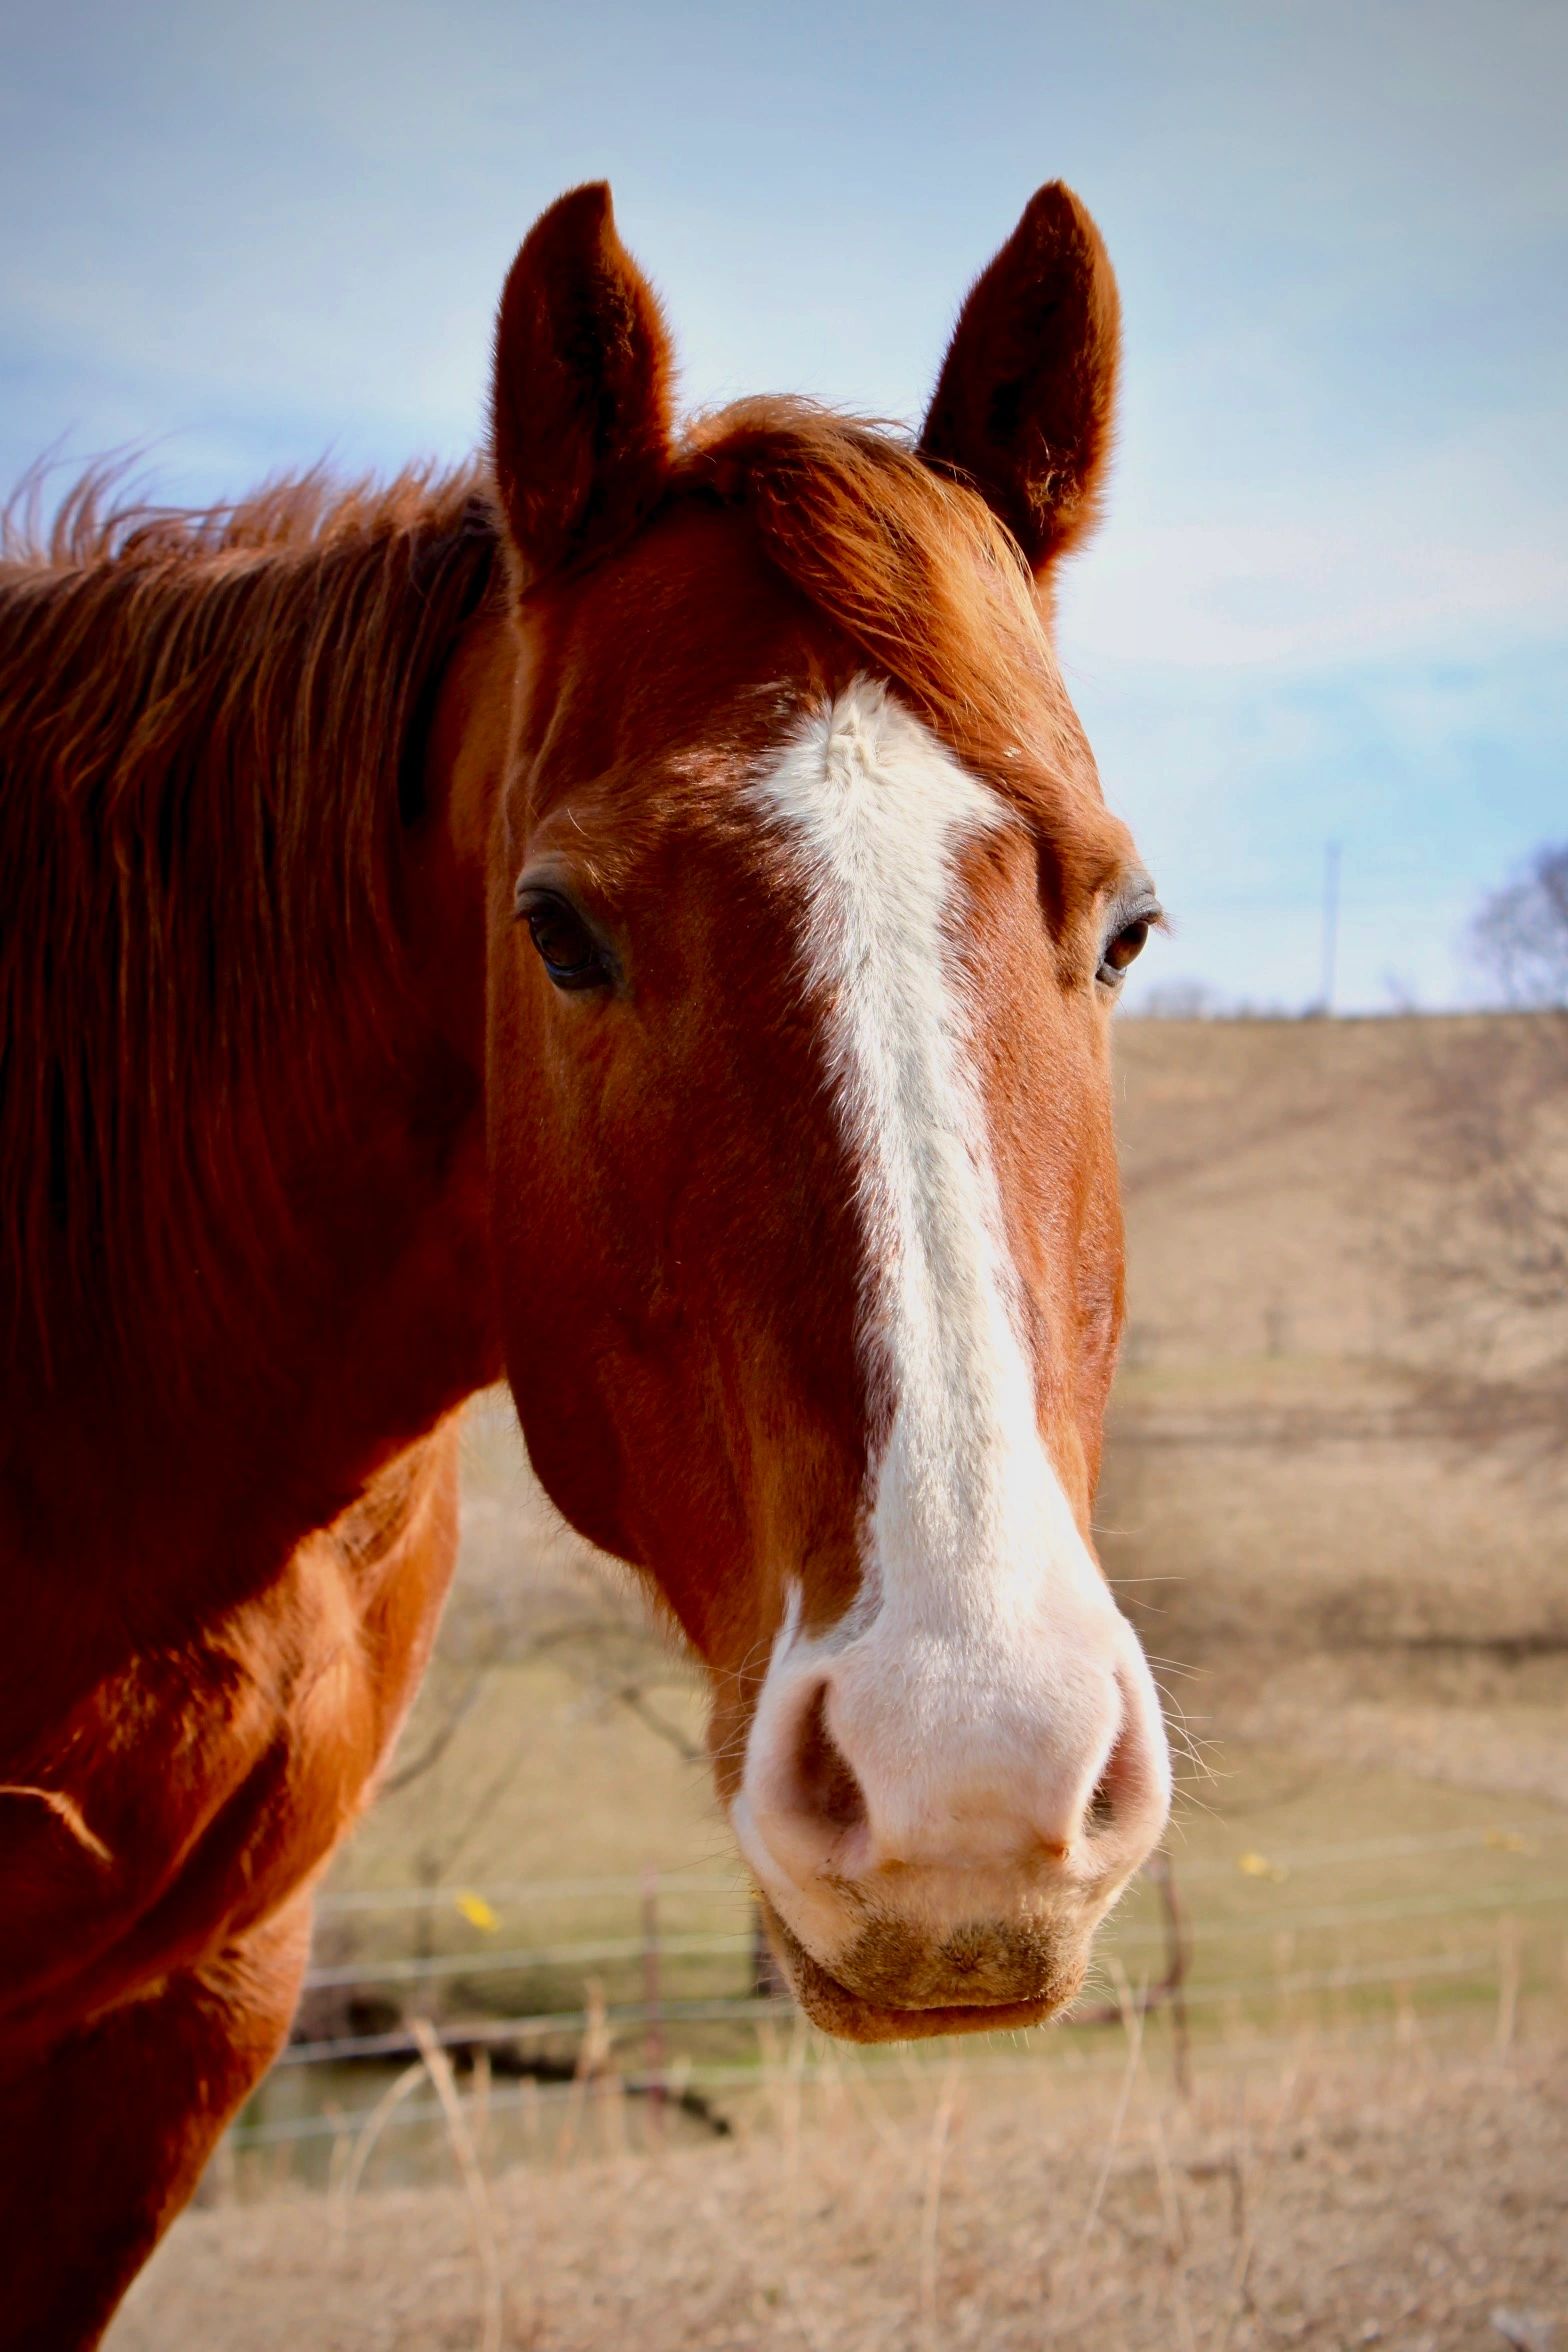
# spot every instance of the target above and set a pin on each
(653, 2040)
(1507, 1980)
(1177, 1957)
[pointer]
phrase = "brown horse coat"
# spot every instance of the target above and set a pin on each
(413, 962)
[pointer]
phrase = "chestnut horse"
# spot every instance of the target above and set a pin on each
(639, 915)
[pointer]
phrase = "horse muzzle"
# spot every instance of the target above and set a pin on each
(938, 1829)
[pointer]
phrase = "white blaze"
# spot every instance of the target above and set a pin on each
(974, 1568)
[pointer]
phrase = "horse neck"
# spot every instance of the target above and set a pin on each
(365, 1316)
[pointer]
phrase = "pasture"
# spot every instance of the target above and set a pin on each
(1335, 1506)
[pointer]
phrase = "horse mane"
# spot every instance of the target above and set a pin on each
(211, 728)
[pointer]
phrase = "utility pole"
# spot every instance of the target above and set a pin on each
(1330, 922)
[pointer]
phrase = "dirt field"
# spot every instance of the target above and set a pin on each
(1337, 1504)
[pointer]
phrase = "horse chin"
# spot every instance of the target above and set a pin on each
(854, 2016)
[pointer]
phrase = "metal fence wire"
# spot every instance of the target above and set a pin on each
(554, 2047)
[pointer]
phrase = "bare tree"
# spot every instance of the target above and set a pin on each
(1520, 935)
(1496, 1245)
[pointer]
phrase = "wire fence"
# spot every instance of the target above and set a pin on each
(712, 1882)
(335, 2122)
(588, 1955)
(1197, 1958)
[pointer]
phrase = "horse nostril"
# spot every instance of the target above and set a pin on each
(828, 1788)
(1122, 1788)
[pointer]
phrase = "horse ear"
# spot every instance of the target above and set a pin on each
(1024, 405)
(580, 402)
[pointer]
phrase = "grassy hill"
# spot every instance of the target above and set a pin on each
(1336, 1477)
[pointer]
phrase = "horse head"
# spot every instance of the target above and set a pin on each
(806, 919)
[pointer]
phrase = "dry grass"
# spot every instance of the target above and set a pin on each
(1326, 2198)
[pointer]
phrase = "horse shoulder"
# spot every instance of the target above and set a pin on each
(194, 1790)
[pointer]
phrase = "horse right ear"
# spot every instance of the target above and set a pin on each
(580, 402)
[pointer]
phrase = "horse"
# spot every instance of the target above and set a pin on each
(636, 915)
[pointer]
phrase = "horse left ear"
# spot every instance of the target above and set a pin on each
(1024, 406)
(580, 403)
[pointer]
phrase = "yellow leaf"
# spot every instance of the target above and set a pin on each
(1259, 1866)
(478, 1913)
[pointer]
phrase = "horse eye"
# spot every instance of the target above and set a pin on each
(1124, 948)
(564, 944)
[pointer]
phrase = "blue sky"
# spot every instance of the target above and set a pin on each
(1331, 598)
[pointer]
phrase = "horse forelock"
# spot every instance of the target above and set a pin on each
(907, 561)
